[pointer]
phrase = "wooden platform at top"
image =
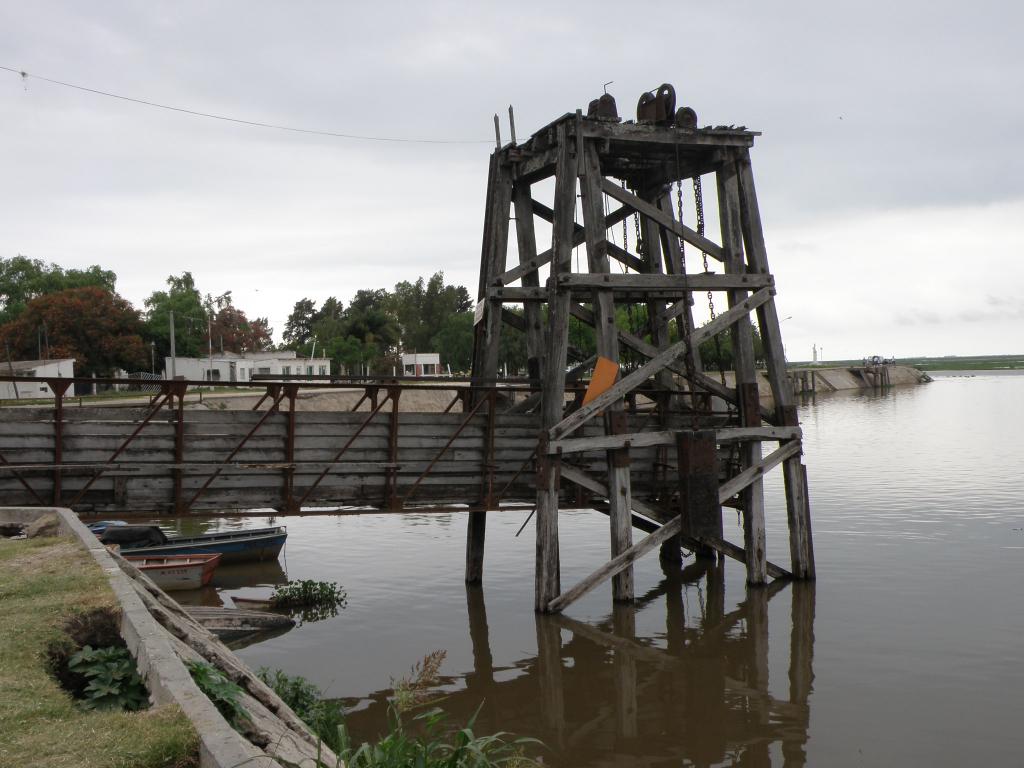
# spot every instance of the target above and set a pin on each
(640, 154)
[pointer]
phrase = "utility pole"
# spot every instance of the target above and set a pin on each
(209, 338)
(173, 353)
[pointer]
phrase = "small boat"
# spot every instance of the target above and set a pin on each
(233, 546)
(173, 572)
(253, 603)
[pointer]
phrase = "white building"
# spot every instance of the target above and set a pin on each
(51, 369)
(421, 364)
(228, 366)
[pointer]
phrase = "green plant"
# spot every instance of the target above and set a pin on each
(435, 746)
(309, 600)
(412, 690)
(221, 691)
(323, 716)
(114, 682)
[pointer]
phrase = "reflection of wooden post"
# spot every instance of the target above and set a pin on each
(624, 623)
(801, 670)
(698, 486)
(675, 611)
(480, 682)
(549, 672)
(756, 754)
(483, 664)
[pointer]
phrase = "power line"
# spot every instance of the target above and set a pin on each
(196, 113)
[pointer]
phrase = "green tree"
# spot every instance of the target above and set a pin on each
(454, 342)
(98, 328)
(190, 318)
(298, 329)
(23, 279)
(368, 321)
(716, 353)
(421, 308)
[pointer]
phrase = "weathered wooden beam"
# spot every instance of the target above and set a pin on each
(679, 137)
(547, 579)
(579, 417)
(607, 341)
(668, 437)
(526, 241)
(614, 566)
(754, 472)
(752, 497)
(574, 475)
(704, 281)
(664, 220)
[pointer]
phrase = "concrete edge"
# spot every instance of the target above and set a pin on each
(220, 746)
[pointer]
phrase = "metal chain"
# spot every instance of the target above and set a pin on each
(639, 240)
(625, 229)
(687, 330)
(698, 201)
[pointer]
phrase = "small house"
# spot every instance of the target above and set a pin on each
(50, 369)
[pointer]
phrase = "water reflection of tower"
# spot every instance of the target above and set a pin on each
(597, 694)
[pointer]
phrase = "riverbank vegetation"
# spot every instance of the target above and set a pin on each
(44, 585)
(418, 731)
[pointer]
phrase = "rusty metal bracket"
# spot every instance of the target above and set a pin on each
(444, 450)
(344, 448)
(278, 396)
(154, 410)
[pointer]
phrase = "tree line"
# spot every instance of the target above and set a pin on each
(49, 312)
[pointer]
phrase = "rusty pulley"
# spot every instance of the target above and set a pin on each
(603, 108)
(658, 106)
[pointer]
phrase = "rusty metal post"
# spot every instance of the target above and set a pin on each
(392, 501)
(178, 389)
(59, 387)
(288, 491)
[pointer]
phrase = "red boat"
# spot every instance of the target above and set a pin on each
(174, 572)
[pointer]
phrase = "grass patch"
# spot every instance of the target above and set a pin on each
(43, 584)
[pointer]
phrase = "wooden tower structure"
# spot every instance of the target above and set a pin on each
(658, 440)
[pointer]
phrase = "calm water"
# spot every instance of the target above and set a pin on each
(909, 649)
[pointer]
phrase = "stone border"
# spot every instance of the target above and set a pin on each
(220, 746)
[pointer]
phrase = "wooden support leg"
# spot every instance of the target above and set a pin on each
(547, 580)
(698, 487)
(607, 339)
(476, 534)
(753, 495)
(798, 512)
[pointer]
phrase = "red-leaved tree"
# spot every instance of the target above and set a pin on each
(99, 329)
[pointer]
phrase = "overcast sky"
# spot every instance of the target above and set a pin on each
(889, 171)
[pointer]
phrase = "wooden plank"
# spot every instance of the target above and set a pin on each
(663, 358)
(682, 138)
(666, 221)
(757, 470)
(649, 282)
(667, 437)
(617, 564)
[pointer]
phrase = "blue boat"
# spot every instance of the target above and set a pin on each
(233, 546)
